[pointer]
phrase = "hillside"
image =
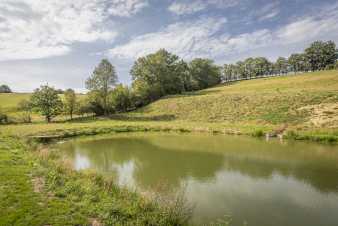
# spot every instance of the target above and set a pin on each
(309, 100)
(9, 101)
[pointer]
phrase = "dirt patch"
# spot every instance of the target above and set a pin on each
(38, 184)
(95, 222)
(323, 115)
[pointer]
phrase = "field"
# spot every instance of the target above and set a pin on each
(307, 104)
(308, 100)
(9, 101)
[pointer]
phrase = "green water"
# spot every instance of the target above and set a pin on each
(259, 182)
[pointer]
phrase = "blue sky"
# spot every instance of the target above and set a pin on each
(59, 42)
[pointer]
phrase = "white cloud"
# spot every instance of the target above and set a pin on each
(126, 8)
(268, 11)
(207, 37)
(193, 39)
(192, 6)
(183, 8)
(31, 29)
(188, 39)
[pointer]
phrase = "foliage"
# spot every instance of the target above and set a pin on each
(84, 107)
(100, 83)
(121, 98)
(46, 101)
(3, 117)
(320, 54)
(5, 89)
(70, 102)
(204, 72)
(26, 107)
(161, 73)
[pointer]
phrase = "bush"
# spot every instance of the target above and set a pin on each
(3, 118)
(5, 89)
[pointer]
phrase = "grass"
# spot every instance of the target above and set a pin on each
(9, 103)
(263, 101)
(307, 104)
(41, 188)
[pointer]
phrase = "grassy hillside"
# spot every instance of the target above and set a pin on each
(307, 103)
(309, 100)
(9, 101)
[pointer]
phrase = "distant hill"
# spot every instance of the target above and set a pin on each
(309, 100)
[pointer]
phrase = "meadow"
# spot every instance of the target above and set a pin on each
(305, 105)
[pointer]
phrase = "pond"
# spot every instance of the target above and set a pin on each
(255, 181)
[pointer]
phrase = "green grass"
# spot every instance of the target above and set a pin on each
(262, 101)
(38, 187)
(307, 103)
(9, 101)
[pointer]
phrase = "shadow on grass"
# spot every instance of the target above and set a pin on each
(131, 117)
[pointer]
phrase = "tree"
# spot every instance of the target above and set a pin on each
(281, 65)
(320, 54)
(26, 107)
(121, 98)
(5, 89)
(70, 102)
(162, 73)
(46, 101)
(295, 61)
(205, 72)
(102, 80)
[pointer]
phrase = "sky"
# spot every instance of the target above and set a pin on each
(59, 42)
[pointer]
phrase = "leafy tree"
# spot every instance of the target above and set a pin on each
(26, 107)
(84, 107)
(121, 98)
(145, 93)
(102, 81)
(162, 73)
(205, 72)
(320, 54)
(5, 89)
(70, 102)
(46, 101)
(295, 61)
(281, 65)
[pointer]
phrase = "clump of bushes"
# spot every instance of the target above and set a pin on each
(3, 117)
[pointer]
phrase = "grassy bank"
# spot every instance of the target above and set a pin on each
(40, 188)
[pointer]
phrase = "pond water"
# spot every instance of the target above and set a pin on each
(254, 181)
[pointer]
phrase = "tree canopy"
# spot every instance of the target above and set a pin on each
(46, 101)
(101, 82)
(70, 102)
(5, 89)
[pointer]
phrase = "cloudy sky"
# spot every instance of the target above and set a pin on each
(59, 42)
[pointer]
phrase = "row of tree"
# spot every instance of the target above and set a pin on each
(319, 56)
(163, 73)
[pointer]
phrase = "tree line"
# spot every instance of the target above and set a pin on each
(163, 73)
(318, 56)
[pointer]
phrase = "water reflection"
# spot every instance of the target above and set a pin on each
(264, 183)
